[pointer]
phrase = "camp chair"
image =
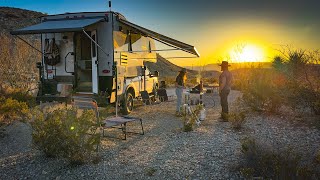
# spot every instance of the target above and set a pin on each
(162, 93)
(146, 98)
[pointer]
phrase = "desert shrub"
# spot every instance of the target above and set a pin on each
(11, 109)
(21, 96)
(210, 80)
(262, 93)
(150, 171)
(102, 98)
(299, 97)
(191, 117)
(293, 81)
(301, 72)
(237, 116)
(67, 133)
(236, 119)
(191, 82)
(268, 163)
(240, 79)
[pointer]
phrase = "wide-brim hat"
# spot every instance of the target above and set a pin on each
(224, 64)
(184, 70)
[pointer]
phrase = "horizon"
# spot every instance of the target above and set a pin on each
(234, 31)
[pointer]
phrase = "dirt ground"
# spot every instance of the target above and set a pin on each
(211, 151)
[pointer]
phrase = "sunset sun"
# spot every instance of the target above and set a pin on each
(248, 53)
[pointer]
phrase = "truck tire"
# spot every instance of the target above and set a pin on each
(127, 105)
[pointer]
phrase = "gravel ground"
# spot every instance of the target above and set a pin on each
(211, 151)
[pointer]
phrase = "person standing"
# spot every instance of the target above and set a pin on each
(180, 85)
(225, 80)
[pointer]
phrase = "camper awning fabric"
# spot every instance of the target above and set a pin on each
(161, 38)
(57, 26)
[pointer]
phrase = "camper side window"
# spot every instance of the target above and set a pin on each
(93, 46)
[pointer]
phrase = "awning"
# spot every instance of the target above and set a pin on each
(57, 26)
(161, 38)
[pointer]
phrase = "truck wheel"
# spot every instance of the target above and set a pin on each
(127, 105)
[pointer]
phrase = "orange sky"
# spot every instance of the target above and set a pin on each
(224, 40)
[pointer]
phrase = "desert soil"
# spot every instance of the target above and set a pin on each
(211, 151)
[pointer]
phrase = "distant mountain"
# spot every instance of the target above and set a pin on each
(208, 67)
(216, 67)
(166, 68)
(15, 18)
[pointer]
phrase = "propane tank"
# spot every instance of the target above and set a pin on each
(202, 113)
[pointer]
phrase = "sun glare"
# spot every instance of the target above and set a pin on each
(249, 53)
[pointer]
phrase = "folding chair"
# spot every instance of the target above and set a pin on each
(146, 98)
(162, 93)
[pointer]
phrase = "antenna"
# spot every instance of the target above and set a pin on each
(110, 5)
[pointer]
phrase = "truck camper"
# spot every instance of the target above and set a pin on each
(98, 54)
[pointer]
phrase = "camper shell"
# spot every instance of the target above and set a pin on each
(99, 54)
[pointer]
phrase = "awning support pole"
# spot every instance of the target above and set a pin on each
(94, 42)
(29, 44)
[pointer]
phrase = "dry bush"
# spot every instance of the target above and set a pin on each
(262, 92)
(20, 95)
(236, 119)
(63, 132)
(191, 82)
(268, 163)
(301, 71)
(191, 117)
(293, 81)
(11, 110)
(237, 116)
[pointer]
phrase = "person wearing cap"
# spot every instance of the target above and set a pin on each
(225, 80)
(180, 85)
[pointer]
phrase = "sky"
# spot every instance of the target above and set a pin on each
(217, 28)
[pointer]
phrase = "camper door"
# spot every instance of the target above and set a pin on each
(94, 62)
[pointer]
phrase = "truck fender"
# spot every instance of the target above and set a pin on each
(131, 88)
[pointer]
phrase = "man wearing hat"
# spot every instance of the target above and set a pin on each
(180, 85)
(225, 80)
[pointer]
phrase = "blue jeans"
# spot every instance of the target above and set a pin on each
(179, 91)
